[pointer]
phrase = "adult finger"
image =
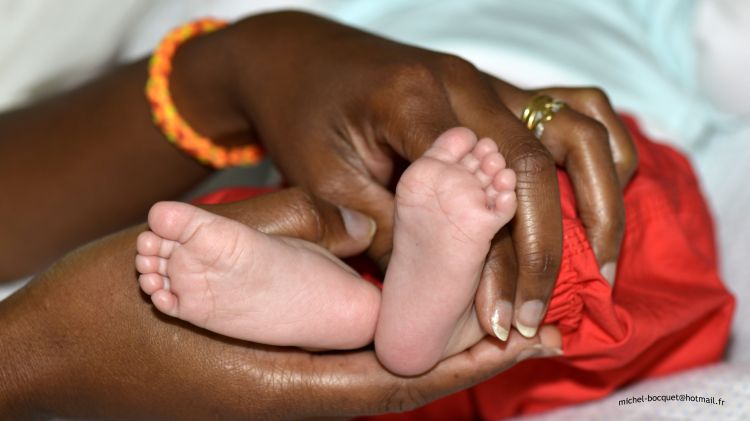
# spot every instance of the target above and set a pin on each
(408, 125)
(360, 193)
(581, 144)
(594, 103)
(586, 155)
(359, 376)
(537, 225)
(413, 109)
(373, 390)
(296, 213)
(215, 373)
(497, 287)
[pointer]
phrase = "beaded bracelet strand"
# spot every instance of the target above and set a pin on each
(165, 114)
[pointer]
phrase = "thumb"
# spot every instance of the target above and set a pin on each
(348, 233)
(294, 212)
(371, 201)
(339, 229)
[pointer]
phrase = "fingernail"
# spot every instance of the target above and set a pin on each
(608, 271)
(357, 224)
(502, 308)
(528, 318)
(552, 352)
(530, 352)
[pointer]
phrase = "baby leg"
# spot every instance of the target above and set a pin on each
(450, 203)
(223, 276)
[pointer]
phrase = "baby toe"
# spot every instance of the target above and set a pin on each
(165, 301)
(505, 179)
(148, 243)
(172, 220)
(151, 282)
(453, 145)
(470, 162)
(150, 264)
(505, 204)
(491, 194)
(484, 147)
(492, 164)
(484, 179)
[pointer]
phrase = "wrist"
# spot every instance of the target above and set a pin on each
(202, 85)
(275, 54)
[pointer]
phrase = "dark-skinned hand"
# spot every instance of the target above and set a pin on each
(338, 108)
(82, 341)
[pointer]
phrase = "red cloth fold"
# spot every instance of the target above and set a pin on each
(669, 310)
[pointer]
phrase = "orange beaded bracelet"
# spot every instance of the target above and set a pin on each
(165, 114)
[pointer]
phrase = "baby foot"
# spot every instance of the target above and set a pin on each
(450, 203)
(223, 276)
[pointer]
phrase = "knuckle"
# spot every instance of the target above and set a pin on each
(588, 131)
(529, 159)
(412, 77)
(304, 212)
(540, 265)
(456, 65)
(606, 224)
(628, 159)
(595, 96)
(300, 197)
(416, 87)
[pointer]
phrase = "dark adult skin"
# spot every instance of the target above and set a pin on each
(90, 162)
(82, 341)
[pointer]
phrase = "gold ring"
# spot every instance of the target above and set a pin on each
(539, 110)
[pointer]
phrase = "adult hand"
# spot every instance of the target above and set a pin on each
(589, 140)
(83, 341)
(336, 107)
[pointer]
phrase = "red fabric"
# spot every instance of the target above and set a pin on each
(669, 310)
